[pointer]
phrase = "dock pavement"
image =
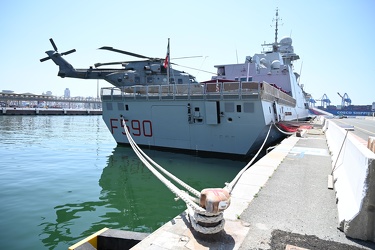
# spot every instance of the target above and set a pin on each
(281, 202)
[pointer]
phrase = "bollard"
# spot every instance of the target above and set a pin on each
(215, 201)
(206, 224)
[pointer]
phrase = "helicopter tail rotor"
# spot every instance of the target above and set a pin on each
(53, 44)
(51, 53)
(68, 52)
(45, 59)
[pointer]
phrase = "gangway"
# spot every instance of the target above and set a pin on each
(317, 111)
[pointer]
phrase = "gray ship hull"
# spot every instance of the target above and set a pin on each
(234, 122)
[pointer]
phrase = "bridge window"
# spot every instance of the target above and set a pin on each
(149, 79)
(221, 71)
(179, 81)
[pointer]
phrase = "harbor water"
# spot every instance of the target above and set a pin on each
(63, 178)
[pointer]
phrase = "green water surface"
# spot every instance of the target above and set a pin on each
(63, 178)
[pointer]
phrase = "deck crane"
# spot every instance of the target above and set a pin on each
(345, 100)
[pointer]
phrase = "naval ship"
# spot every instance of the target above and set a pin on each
(168, 109)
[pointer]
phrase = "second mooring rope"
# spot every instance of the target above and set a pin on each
(230, 186)
(148, 162)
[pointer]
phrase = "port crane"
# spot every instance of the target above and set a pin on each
(345, 100)
(325, 101)
(312, 102)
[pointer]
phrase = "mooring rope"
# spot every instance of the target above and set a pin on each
(183, 184)
(230, 186)
(179, 193)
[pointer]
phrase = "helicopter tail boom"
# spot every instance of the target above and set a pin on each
(67, 70)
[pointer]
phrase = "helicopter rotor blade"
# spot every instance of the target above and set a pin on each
(194, 68)
(127, 53)
(53, 44)
(68, 52)
(108, 63)
(185, 57)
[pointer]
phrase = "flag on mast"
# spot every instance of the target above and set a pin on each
(166, 61)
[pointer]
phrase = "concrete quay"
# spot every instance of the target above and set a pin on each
(281, 202)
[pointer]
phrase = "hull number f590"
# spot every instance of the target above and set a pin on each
(135, 127)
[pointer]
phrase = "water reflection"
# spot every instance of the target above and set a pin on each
(131, 197)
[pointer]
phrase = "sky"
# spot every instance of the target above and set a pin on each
(334, 39)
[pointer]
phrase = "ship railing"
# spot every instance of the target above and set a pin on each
(183, 91)
(206, 91)
(271, 93)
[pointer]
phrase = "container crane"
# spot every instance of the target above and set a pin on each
(325, 101)
(312, 102)
(345, 100)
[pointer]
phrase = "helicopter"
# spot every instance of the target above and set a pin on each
(150, 71)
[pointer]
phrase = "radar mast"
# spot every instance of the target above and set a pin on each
(276, 20)
(275, 44)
